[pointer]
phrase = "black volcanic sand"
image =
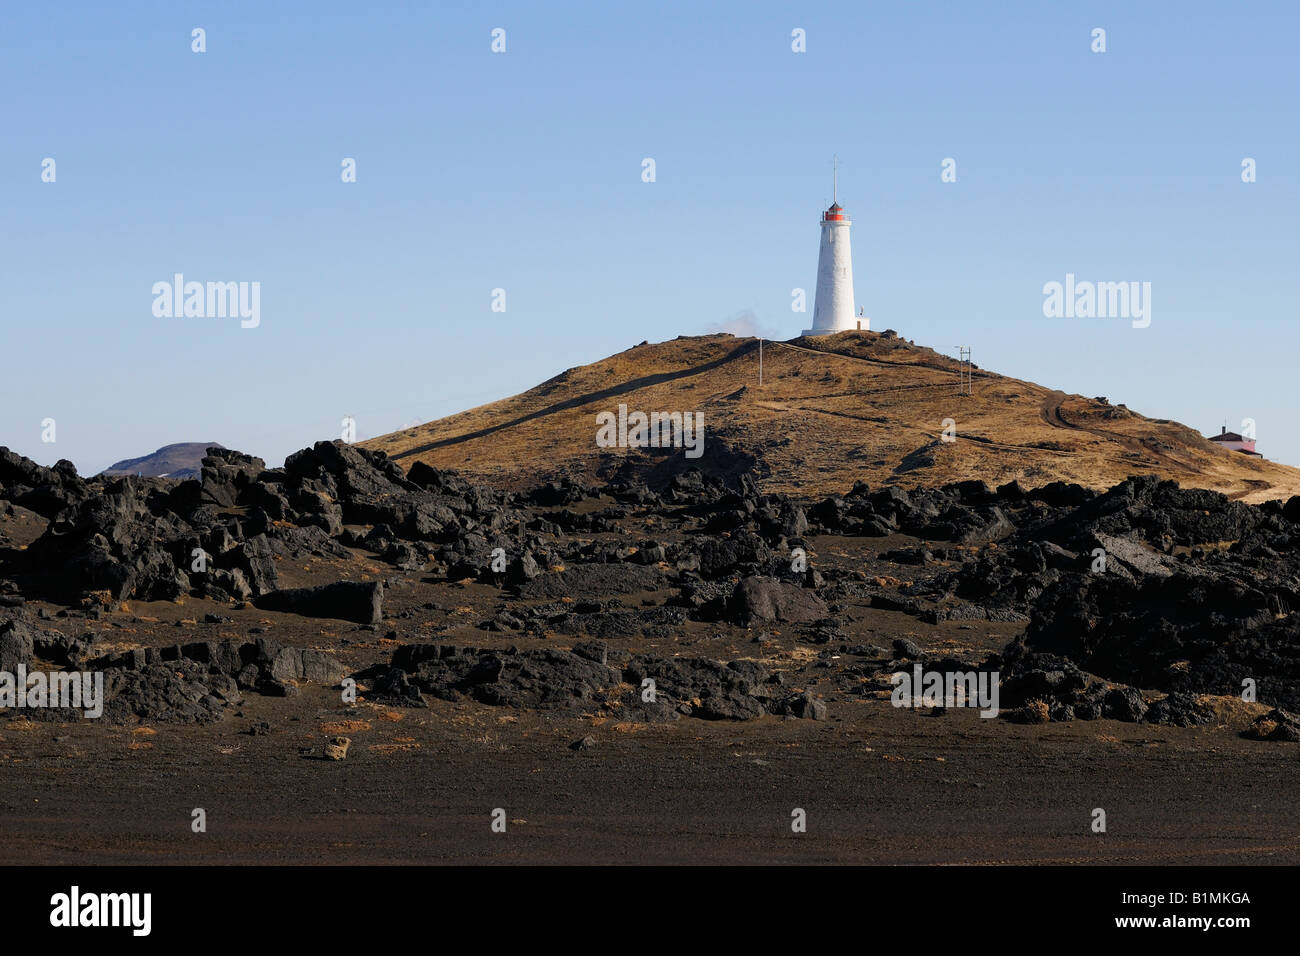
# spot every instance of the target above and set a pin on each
(1196, 595)
(880, 786)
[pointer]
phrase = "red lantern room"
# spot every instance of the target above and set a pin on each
(835, 212)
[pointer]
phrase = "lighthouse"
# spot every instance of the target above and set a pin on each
(833, 305)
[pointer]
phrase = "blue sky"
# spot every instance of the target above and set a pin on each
(522, 171)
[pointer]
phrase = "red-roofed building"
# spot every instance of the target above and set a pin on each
(1235, 442)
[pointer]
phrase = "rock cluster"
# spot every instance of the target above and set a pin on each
(643, 687)
(185, 683)
(1178, 592)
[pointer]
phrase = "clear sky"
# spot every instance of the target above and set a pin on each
(523, 171)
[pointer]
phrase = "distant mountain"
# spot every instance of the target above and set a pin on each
(831, 411)
(173, 461)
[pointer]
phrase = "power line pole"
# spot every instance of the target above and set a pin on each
(965, 378)
(760, 360)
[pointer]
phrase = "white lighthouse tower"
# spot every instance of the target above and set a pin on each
(833, 305)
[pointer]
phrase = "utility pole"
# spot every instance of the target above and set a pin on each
(760, 360)
(965, 378)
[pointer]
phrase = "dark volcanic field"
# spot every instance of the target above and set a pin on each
(230, 615)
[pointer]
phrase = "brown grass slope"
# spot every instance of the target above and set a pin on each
(858, 406)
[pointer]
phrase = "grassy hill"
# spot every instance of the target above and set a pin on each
(858, 406)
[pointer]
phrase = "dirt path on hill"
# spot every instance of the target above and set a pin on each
(578, 401)
(1050, 412)
(977, 373)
